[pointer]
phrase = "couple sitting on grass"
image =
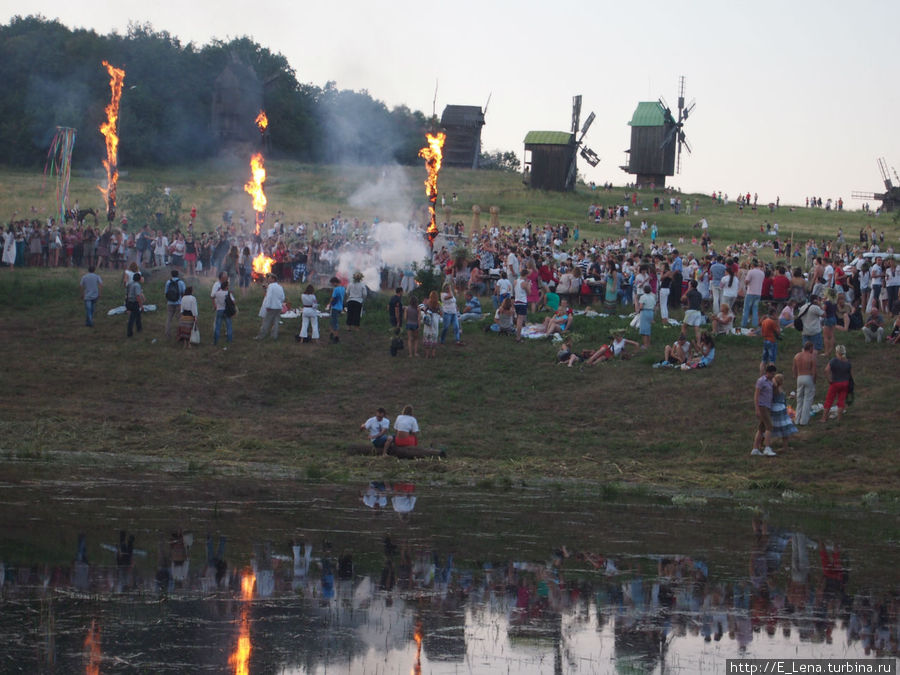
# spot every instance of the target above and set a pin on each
(680, 354)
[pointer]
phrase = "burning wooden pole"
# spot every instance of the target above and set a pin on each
(262, 264)
(109, 129)
(254, 187)
(433, 155)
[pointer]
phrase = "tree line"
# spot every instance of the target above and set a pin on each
(52, 76)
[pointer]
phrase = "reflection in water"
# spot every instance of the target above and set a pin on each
(417, 636)
(92, 647)
(240, 657)
(348, 591)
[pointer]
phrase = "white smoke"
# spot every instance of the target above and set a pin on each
(389, 198)
(390, 244)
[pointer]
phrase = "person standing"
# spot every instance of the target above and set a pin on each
(520, 302)
(336, 307)
(450, 314)
(220, 301)
(174, 292)
(804, 370)
(134, 303)
(309, 315)
(771, 333)
(762, 401)
(647, 304)
(692, 315)
(91, 287)
(840, 375)
(356, 294)
(754, 282)
(811, 315)
(188, 320)
(395, 308)
(270, 312)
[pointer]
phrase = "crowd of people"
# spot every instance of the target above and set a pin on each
(825, 288)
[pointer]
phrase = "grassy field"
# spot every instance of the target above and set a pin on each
(505, 412)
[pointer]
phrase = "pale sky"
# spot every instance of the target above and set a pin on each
(794, 98)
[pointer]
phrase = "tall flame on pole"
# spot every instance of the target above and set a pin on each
(262, 264)
(240, 657)
(109, 129)
(254, 187)
(433, 156)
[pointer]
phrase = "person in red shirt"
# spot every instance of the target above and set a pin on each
(771, 333)
(781, 287)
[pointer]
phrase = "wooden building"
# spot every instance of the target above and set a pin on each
(650, 158)
(548, 156)
(462, 123)
(237, 100)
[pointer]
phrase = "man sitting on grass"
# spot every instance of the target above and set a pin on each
(472, 309)
(377, 428)
(676, 353)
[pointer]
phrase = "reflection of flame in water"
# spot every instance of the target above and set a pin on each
(254, 187)
(417, 636)
(433, 155)
(92, 647)
(108, 129)
(240, 657)
(262, 264)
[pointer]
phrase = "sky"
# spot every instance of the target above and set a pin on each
(793, 99)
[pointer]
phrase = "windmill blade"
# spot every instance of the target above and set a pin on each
(678, 160)
(587, 125)
(690, 108)
(682, 140)
(669, 137)
(590, 156)
(576, 113)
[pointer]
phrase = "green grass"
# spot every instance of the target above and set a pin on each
(506, 413)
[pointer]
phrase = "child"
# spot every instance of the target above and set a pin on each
(396, 342)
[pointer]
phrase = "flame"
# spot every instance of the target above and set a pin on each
(433, 155)
(417, 636)
(109, 129)
(262, 121)
(248, 583)
(254, 187)
(262, 264)
(240, 657)
(92, 646)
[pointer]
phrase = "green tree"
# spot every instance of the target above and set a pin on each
(154, 207)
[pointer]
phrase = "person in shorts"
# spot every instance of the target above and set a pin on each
(377, 428)
(692, 315)
(762, 401)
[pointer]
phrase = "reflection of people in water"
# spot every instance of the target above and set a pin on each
(216, 567)
(375, 496)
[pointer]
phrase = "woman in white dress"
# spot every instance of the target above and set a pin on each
(9, 247)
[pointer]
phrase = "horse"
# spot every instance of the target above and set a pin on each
(80, 215)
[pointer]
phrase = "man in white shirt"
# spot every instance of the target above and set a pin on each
(271, 309)
(377, 428)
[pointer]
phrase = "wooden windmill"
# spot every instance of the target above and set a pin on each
(890, 198)
(551, 157)
(657, 138)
